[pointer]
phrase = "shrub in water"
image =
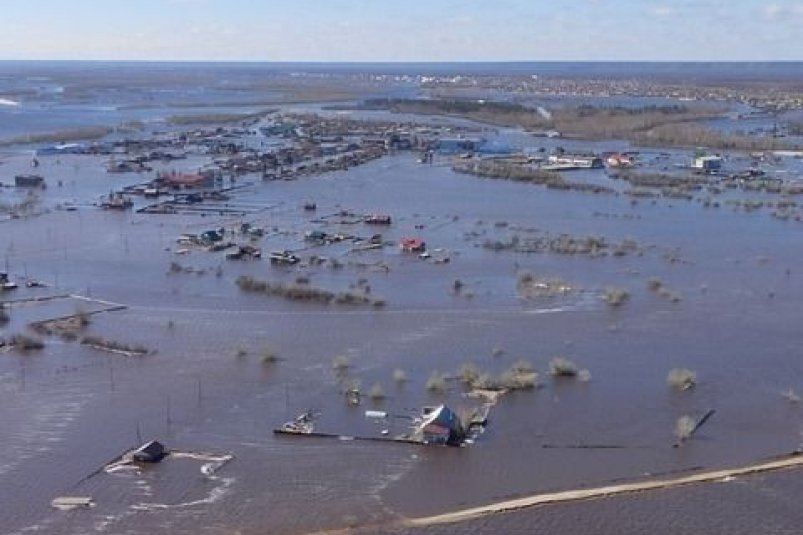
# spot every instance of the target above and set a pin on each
(681, 378)
(562, 367)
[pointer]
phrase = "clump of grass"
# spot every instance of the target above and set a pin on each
(662, 290)
(436, 383)
(485, 382)
(522, 365)
(352, 383)
(269, 356)
(350, 521)
(69, 336)
(68, 325)
(468, 373)
(615, 296)
(351, 391)
(684, 427)
(529, 286)
(562, 367)
(791, 396)
(113, 345)
(399, 375)
(457, 286)
(376, 393)
(340, 363)
(681, 378)
(654, 284)
(669, 294)
(81, 317)
(25, 343)
(353, 298)
(305, 292)
(518, 378)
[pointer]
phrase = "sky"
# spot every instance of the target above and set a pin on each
(403, 30)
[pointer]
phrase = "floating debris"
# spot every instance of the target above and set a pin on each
(68, 503)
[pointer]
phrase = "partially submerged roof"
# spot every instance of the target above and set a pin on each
(150, 452)
(440, 426)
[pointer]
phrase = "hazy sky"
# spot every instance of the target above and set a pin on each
(402, 30)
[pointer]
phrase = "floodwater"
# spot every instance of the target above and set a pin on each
(766, 504)
(69, 409)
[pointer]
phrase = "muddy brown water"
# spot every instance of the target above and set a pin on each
(69, 409)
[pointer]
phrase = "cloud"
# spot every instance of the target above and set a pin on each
(776, 11)
(773, 11)
(662, 11)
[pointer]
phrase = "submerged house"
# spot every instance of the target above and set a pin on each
(378, 219)
(178, 180)
(707, 163)
(413, 245)
(150, 452)
(458, 145)
(29, 181)
(577, 161)
(620, 160)
(61, 148)
(440, 425)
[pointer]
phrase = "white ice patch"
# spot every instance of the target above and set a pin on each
(214, 496)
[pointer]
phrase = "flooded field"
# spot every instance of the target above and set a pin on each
(715, 290)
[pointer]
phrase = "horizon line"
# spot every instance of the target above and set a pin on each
(394, 62)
